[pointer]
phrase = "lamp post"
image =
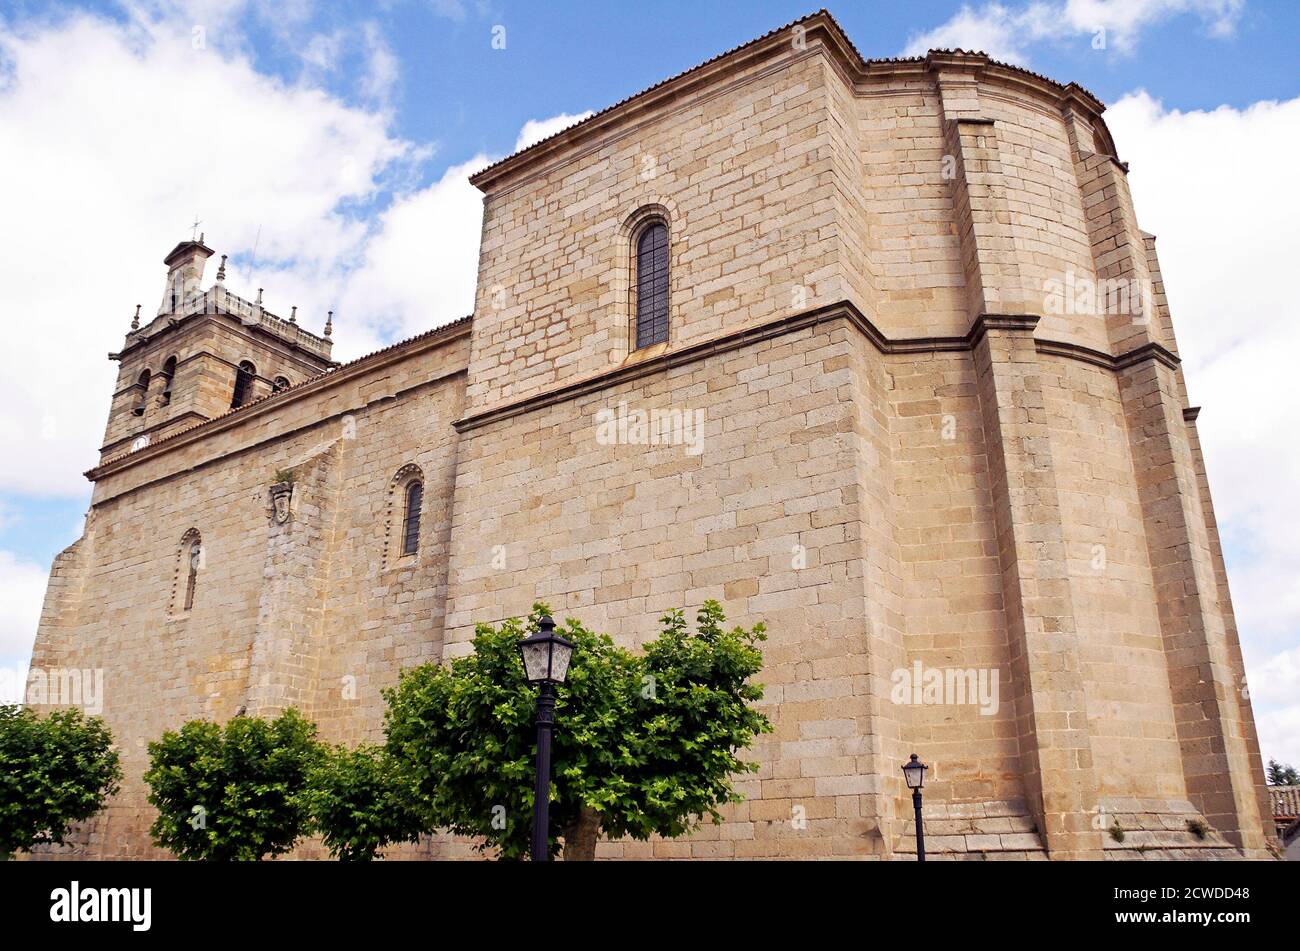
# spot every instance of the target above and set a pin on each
(914, 776)
(546, 663)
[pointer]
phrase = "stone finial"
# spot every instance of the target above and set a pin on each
(221, 271)
(259, 297)
(329, 324)
(293, 316)
(135, 321)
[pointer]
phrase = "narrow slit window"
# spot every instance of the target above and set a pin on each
(652, 286)
(411, 523)
(192, 581)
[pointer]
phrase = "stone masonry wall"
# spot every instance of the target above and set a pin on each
(766, 518)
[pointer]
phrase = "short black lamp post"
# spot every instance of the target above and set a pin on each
(914, 775)
(546, 663)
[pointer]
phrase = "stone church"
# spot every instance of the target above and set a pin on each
(896, 375)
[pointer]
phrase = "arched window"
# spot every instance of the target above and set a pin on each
(187, 575)
(192, 582)
(142, 393)
(243, 384)
(168, 374)
(411, 521)
(281, 384)
(651, 263)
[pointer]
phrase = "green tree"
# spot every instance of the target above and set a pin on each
(1280, 774)
(232, 793)
(643, 744)
(54, 771)
(359, 802)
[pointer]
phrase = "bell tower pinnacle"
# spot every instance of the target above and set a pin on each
(185, 265)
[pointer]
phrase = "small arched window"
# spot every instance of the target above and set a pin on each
(411, 519)
(280, 385)
(168, 374)
(192, 582)
(191, 558)
(244, 377)
(651, 263)
(141, 393)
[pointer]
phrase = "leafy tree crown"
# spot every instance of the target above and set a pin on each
(55, 770)
(649, 742)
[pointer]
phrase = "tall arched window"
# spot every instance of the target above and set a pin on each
(243, 384)
(411, 520)
(141, 393)
(187, 575)
(651, 263)
(192, 582)
(168, 374)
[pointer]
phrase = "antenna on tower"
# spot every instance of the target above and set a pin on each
(252, 258)
(194, 235)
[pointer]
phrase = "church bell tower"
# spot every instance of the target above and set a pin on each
(205, 353)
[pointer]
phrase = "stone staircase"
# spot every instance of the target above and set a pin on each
(1160, 830)
(1157, 830)
(978, 831)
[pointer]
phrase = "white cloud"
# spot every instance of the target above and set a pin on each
(535, 130)
(1211, 186)
(452, 9)
(1279, 732)
(22, 592)
(420, 268)
(381, 71)
(1005, 32)
(325, 56)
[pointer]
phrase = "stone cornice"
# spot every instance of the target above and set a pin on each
(157, 342)
(1012, 323)
(188, 415)
(841, 310)
(1148, 351)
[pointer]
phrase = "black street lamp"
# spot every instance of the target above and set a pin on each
(546, 663)
(914, 776)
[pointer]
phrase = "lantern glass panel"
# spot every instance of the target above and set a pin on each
(537, 661)
(560, 662)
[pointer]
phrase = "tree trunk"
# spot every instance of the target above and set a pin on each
(580, 837)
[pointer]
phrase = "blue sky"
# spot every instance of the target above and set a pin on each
(325, 147)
